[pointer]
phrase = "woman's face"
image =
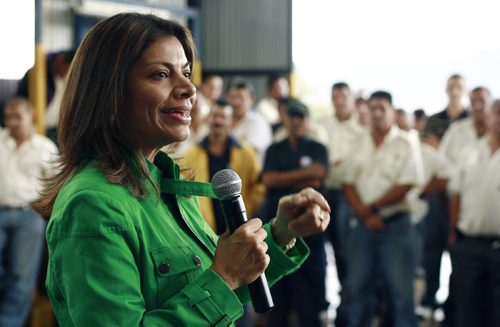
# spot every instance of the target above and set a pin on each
(158, 97)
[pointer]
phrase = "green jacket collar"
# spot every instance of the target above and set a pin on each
(167, 172)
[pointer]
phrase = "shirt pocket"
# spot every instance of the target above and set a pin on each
(391, 167)
(175, 267)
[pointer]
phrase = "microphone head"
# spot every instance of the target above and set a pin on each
(226, 183)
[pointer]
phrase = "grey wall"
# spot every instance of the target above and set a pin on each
(246, 36)
(252, 39)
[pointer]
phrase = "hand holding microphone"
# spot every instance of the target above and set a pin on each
(240, 258)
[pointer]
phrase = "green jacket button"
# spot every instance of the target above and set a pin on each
(164, 268)
(197, 260)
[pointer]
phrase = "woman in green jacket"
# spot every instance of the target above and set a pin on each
(127, 243)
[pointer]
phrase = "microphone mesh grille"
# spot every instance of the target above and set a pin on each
(226, 183)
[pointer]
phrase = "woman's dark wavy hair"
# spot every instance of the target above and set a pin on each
(91, 109)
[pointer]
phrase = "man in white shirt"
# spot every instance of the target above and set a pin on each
(458, 135)
(383, 166)
(25, 158)
(248, 124)
(211, 88)
(343, 131)
(464, 131)
(277, 89)
(475, 211)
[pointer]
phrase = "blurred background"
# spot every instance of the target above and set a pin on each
(407, 48)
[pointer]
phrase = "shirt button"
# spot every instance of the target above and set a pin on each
(164, 268)
(197, 260)
(495, 245)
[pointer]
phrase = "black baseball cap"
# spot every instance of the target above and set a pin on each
(295, 107)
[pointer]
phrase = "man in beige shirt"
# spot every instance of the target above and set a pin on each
(467, 130)
(383, 166)
(475, 246)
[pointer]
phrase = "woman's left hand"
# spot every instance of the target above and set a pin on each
(301, 214)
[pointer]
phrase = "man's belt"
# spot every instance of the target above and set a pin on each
(25, 207)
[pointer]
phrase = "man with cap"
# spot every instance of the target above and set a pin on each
(291, 165)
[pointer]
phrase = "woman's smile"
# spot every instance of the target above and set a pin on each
(179, 114)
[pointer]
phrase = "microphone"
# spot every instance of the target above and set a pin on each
(226, 185)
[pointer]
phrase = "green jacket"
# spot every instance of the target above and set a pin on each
(115, 260)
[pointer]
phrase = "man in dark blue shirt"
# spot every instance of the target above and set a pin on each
(291, 165)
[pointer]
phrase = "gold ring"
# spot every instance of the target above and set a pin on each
(321, 217)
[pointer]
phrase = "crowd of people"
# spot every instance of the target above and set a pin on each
(402, 187)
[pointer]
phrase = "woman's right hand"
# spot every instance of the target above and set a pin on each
(241, 257)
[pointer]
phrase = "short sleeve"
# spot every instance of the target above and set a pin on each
(349, 167)
(452, 142)
(456, 175)
(412, 168)
(271, 159)
(259, 135)
(441, 167)
(321, 155)
(49, 157)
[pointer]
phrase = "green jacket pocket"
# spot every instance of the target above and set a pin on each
(175, 268)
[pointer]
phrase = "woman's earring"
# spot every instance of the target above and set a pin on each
(112, 120)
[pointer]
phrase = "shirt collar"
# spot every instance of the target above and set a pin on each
(444, 114)
(393, 132)
(11, 142)
(351, 121)
(248, 115)
(165, 165)
(304, 140)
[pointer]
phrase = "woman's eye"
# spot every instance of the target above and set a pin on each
(188, 75)
(161, 74)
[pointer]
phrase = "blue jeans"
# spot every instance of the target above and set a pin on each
(337, 233)
(389, 252)
(435, 242)
(21, 240)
